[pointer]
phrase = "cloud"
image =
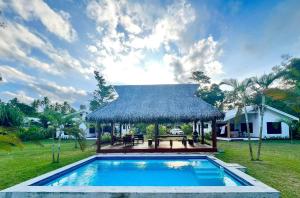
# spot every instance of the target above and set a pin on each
(10, 74)
(123, 53)
(55, 22)
(17, 42)
(41, 87)
(21, 95)
(203, 56)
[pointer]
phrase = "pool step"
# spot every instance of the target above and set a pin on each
(209, 173)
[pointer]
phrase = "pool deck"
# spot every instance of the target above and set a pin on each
(164, 147)
(256, 189)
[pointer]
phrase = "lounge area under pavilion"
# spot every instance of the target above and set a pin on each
(156, 104)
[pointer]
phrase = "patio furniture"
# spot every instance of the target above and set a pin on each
(195, 136)
(149, 142)
(191, 142)
(128, 140)
(118, 140)
(139, 137)
(184, 142)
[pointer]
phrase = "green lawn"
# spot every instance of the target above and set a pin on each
(33, 160)
(279, 168)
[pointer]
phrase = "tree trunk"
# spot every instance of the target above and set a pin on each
(53, 143)
(76, 146)
(248, 132)
(156, 133)
(262, 112)
(98, 142)
(58, 148)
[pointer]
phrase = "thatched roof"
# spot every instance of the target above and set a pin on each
(156, 103)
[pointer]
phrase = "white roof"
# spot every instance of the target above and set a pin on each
(251, 109)
(230, 114)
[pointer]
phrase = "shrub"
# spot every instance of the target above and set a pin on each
(105, 138)
(187, 129)
(207, 136)
(150, 131)
(33, 133)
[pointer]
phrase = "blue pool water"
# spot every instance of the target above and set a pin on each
(147, 172)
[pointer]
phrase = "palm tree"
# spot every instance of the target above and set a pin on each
(261, 84)
(45, 102)
(239, 96)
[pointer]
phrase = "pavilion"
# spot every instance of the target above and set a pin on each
(157, 104)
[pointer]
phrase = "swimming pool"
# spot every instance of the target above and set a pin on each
(146, 176)
(143, 171)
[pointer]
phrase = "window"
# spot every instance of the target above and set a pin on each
(123, 126)
(205, 126)
(244, 127)
(274, 127)
(91, 130)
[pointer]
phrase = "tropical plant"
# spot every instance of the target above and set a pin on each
(261, 84)
(290, 95)
(239, 96)
(45, 103)
(72, 128)
(10, 115)
(57, 124)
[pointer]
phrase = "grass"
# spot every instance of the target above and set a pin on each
(279, 168)
(33, 160)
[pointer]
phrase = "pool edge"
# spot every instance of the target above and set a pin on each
(26, 189)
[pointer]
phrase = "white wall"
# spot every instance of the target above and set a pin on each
(269, 116)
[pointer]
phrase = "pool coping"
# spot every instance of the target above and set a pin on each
(258, 188)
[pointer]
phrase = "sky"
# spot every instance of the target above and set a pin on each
(51, 48)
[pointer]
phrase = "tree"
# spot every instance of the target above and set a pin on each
(210, 93)
(36, 104)
(24, 108)
(200, 77)
(239, 96)
(45, 102)
(261, 84)
(103, 94)
(10, 115)
(290, 95)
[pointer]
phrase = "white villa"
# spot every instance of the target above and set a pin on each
(274, 123)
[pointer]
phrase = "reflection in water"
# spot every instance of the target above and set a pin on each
(176, 164)
(141, 164)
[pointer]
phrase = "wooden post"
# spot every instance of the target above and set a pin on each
(202, 132)
(228, 130)
(156, 132)
(99, 133)
(214, 133)
(120, 130)
(112, 133)
(195, 126)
